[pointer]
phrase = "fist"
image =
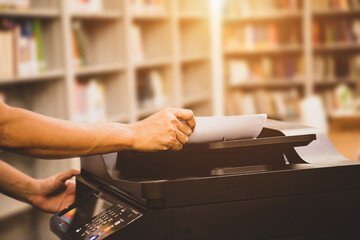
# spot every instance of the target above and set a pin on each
(168, 129)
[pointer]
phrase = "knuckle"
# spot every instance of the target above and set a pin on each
(179, 147)
(188, 131)
(171, 131)
(171, 140)
(169, 109)
(173, 120)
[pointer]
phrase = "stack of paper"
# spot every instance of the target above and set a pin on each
(214, 129)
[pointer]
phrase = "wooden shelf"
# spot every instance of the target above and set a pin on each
(326, 82)
(99, 69)
(275, 50)
(121, 117)
(144, 112)
(192, 16)
(153, 63)
(108, 15)
(107, 39)
(11, 207)
(196, 98)
(150, 16)
(194, 58)
(337, 47)
(263, 17)
(332, 13)
(36, 13)
(280, 83)
(49, 75)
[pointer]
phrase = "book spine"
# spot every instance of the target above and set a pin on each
(80, 42)
(2, 55)
(40, 55)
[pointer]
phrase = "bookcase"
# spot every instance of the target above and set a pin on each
(136, 58)
(276, 53)
(132, 59)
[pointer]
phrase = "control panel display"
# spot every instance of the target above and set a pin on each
(86, 210)
(96, 218)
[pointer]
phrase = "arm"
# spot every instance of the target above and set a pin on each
(32, 134)
(52, 194)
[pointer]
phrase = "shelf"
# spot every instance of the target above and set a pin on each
(36, 13)
(153, 63)
(192, 16)
(275, 50)
(327, 82)
(49, 75)
(337, 47)
(99, 69)
(150, 16)
(196, 98)
(332, 13)
(12, 207)
(263, 17)
(106, 15)
(279, 83)
(144, 112)
(194, 58)
(121, 117)
(345, 115)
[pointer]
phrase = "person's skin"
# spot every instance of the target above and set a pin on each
(51, 195)
(32, 134)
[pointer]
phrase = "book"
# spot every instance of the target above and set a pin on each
(136, 44)
(258, 7)
(158, 89)
(151, 89)
(260, 36)
(2, 55)
(88, 6)
(23, 52)
(22, 5)
(79, 52)
(241, 103)
(239, 71)
(89, 101)
(345, 31)
(95, 101)
(80, 105)
(147, 6)
(39, 40)
(76, 59)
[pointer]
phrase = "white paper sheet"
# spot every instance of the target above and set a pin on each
(213, 129)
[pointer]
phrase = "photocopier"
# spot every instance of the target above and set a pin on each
(288, 183)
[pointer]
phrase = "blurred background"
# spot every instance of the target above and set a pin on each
(122, 60)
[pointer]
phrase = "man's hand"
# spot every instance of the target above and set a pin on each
(168, 129)
(55, 193)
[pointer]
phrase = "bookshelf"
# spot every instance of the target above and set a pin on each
(324, 49)
(171, 48)
(109, 52)
(194, 55)
(263, 54)
(335, 55)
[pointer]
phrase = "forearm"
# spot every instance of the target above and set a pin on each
(16, 184)
(36, 135)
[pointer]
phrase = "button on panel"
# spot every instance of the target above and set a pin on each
(93, 237)
(106, 222)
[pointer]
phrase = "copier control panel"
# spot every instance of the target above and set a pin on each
(95, 218)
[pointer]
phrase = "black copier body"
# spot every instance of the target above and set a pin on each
(289, 183)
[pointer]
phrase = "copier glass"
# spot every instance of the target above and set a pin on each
(289, 183)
